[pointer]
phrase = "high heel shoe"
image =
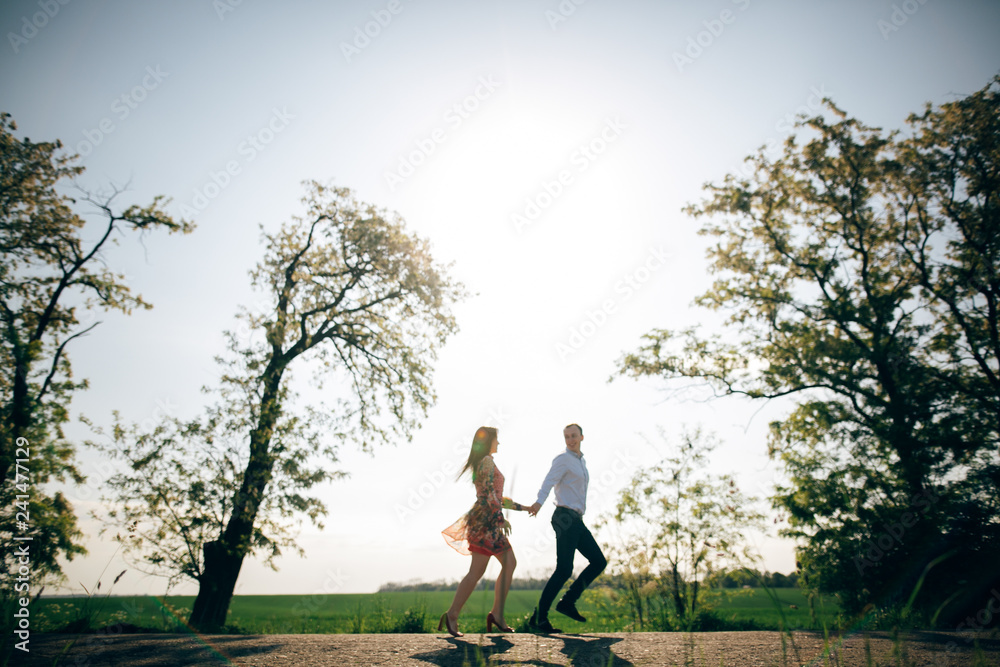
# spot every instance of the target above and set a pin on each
(446, 622)
(490, 622)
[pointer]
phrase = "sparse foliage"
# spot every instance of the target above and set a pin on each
(677, 524)
(178, 481)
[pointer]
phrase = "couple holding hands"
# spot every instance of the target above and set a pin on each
(482, 532)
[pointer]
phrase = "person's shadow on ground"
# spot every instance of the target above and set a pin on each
(582, 651)
(466, 652)
(590, 651)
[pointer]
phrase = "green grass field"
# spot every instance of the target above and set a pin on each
(755, 605)
(394, 611)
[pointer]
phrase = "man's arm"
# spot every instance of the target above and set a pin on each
(556, 473)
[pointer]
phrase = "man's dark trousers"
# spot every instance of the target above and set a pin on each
(571, 536)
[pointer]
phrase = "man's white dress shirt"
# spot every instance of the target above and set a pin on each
(570, 478)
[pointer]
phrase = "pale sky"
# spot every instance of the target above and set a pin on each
(545, 148)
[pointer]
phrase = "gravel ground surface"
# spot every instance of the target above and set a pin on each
(710, 649)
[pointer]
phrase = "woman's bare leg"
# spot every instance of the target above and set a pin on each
(507, 564)
(476, 570)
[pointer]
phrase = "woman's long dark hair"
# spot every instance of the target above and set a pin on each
(481, 443)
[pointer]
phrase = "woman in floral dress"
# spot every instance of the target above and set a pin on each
(482, 533)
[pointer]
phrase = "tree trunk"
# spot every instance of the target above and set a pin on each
(224, 558)
(678, 594)
(217, 584)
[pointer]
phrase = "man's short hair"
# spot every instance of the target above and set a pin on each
(576, 425)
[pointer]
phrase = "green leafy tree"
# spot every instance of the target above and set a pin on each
(860, 272)
(49, 272)
(677, 524)
(351, 295)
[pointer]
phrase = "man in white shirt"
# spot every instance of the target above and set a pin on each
(569, 476)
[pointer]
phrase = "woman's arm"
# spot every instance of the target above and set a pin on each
(509, 504)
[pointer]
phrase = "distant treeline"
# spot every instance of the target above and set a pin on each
(740, 578)
(441, 585)
(728, 580)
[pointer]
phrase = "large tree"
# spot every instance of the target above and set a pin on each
(860, 271)
(49, 272)
(346, 292)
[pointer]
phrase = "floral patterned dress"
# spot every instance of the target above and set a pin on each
(481, 529)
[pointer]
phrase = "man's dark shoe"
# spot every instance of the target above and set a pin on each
(567, 608)
(544, 627)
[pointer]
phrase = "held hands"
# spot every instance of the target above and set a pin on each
(509, 504)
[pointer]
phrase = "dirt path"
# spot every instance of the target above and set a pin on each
(736, 649)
